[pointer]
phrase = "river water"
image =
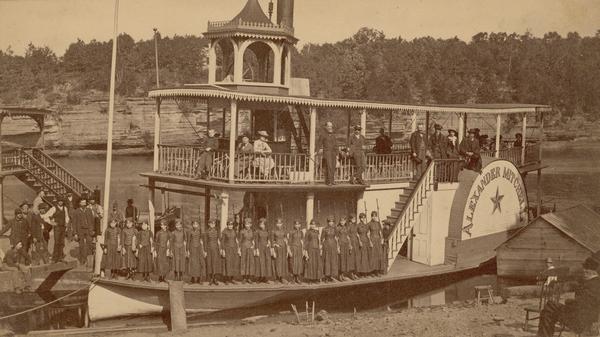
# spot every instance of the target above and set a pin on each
(571, 178)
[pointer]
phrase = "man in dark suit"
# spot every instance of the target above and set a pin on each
(437, 143)
(357, 152)
(20, 231)
(328, 147)
(578, 314)
(418, 149)
(83, 229)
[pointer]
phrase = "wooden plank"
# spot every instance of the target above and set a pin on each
(174, 190)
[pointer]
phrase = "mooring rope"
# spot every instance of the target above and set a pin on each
(92, 284)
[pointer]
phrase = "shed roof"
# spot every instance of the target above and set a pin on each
(580, 223)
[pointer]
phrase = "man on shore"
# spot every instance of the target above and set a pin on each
(58, 216)
(578, 314)
(205, 160)
(20, 232)
(83, 231)
(39, 247)
(357, 152)
(418, 149)
(328, 147)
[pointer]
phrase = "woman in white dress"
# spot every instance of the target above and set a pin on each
(262, 151)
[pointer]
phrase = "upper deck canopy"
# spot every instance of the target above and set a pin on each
(218, 92)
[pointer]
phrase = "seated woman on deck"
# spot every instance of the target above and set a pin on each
(263, 163)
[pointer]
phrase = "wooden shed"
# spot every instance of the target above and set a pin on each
(568, 237)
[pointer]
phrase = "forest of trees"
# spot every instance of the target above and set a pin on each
(563, 71)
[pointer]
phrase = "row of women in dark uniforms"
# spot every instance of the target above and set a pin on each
(344, 251)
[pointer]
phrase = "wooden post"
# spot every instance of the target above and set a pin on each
(224, 216)
(177, 306)
(461, 127)
(1, 179)
(349, 125)
(498, 130)
(224, 121)
(275, 126)
(391, 122)
(363, 122)
(413, 122)
(524, 143)
(542, 138)
(361, 206)
(207, 115)
(151, 192)
(312, 143)
(156, 135)
(232, 135)
(163, 201)
(310, 206)
(539, 192)
(206, 206)
(43, 134)
(427, 128)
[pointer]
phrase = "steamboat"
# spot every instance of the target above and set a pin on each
(445, 219)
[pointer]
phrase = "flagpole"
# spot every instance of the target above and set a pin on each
(111, 110)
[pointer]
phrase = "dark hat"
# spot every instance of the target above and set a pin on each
(18, 211)
(437, 126)
(130, 201)
(330, 219)
(518, 134)
(357, 128)
(24, 202)
(43, 206)
(473, 131)
(591, 263)
(477, 130)
(452, 130)
(373, 213)
(362, 215)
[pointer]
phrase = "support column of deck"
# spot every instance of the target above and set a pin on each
(461, 127)
(413, 122)
(363, 122)
(156, 135)
(312, 145)
(232, 136)
(310, 206)
(391, 122)
(206, 206)
(224, 216)
(523, 144)
(498, 126)
(152, 194)
(360, 204)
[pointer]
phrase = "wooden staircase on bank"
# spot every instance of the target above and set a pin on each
(404, 213)
(42, 173)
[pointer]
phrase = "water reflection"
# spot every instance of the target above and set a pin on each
(66, 313)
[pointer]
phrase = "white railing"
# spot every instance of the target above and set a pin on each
(401, 229)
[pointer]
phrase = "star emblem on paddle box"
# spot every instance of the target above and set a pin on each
(496, 201)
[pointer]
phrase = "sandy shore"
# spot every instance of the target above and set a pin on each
(458, 319)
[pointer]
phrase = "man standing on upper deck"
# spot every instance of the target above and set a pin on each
(328, 147)
(357, 152)
(205, 160)
(419, 151)
(437, 143)
(469, 149)
(383, 143)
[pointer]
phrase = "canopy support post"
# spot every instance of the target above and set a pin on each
(224, 216)
(312, 143)
(524, 142)
(461, 127)
(363, 122)
(156, 135)
(498, 126)
(232, 136)
(413, 122)
(310, 206)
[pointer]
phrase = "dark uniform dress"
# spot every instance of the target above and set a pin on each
(161, 244)
(84, 230)
(263, 260)
(376, 254)
(127, 235)
(328, 143)
(356, 257)
(177, 241)
(386, 231)
(247, 248)
(330, 255)
(295, 243)
(213, 256)
(196, 263)
(145, 264)
(314, 264)
(346, 258)
(364, 264)
(278, 243)
(231, 266)
(60, 218)
(112, 258)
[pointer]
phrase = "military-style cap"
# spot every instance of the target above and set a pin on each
(362, 215)
(357, 128)
(438, 126)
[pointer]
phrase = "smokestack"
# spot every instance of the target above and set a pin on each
(285, 13)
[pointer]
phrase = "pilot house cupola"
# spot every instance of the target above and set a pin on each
(251, 53)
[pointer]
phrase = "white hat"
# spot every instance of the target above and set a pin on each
(263, 133)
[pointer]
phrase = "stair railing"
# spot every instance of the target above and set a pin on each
(32, 165)
(401, 229)
(62, 173)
